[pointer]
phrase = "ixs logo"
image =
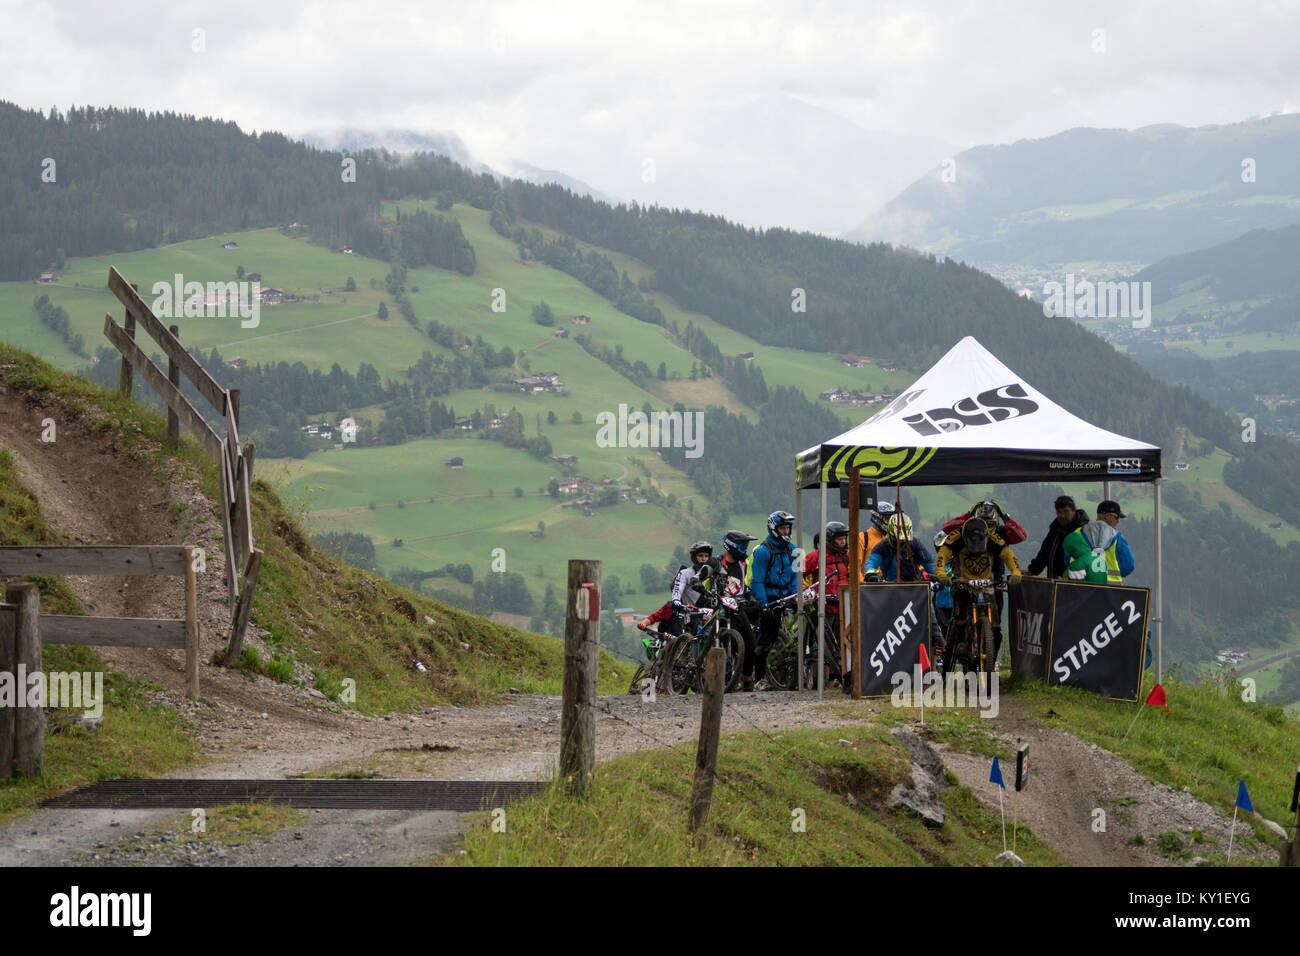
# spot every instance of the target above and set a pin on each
(1123, 466)
(1029, 632)
(994, 405)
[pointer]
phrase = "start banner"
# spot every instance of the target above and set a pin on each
(1098, 637)
(895, 622)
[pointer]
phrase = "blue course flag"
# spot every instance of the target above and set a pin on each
(995, 776)
(1243, 798)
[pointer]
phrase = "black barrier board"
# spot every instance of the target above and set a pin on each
(1031, 627)
(1099, 638)
(895, 621)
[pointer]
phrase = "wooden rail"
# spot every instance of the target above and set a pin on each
(172, 560)
(242, 560)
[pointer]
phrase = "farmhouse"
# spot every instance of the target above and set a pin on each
(746, 356)
(455, 461)
(625, 615)
(271, 296)
(496, 423)
(566, 459)
(46, 278)
(465, 424)
(560, 334)
(252, 277)
(237, 362)
(570, 486)
(230, 245)
(346, 250)
(853, 361)
(1181, 466)
(582, 320)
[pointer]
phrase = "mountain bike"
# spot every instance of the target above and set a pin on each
(968, 639)
(705, 629)
(658, 647)
(783, 661)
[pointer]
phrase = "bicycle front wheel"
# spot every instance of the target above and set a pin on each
(680, 669)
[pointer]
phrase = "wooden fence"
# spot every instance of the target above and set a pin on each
(21, 617)
(243, 560)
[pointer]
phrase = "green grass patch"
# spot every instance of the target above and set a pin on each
(767, 784)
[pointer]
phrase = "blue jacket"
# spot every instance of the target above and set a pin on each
(771, 571)
(884, 560)
(1123, 556)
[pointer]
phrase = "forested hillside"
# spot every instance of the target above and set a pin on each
(781, 288)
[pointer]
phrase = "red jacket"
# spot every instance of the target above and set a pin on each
(1013, 533)
(836, 561)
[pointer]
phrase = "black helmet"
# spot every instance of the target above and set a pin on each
(975, 535)
(699, 546)
(836, 529)
(736, 544)
(777, 518)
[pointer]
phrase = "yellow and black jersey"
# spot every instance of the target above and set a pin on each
(967, 565)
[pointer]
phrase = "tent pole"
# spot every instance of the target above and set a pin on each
(821, 601)
(798, 543)
(1105, 491)
(1159, 595)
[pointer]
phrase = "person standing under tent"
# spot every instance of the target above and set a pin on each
(875, 533)
(900, 557)
(1098, 552)
(771, 576)
(1002, 524)
(837, 575)
(942, 603)
(1051, 555)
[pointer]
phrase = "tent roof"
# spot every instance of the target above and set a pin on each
(972, 419)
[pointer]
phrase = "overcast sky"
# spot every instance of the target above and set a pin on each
(596, 89)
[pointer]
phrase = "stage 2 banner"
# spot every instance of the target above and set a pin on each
(1098, 637)
(895, 622)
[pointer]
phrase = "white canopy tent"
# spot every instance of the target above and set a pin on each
(970, 419)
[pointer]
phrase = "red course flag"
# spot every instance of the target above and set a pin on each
(1157, 698)
(925, 660)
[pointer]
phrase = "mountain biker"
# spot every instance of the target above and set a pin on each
(1098, 552)
(876, 532)
(1003, 525)
(837, 573)
(728, 577)
(973, 553)
(771, 576)
(688, 584)
(899, 557)
(942, 603)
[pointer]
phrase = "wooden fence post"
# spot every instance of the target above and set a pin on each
(706, 757)
(29, 722)
(124, 377)
(8, 664)
(581, 656)
(191, 628)
(173, 376)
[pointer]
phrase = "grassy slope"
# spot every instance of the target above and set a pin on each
(637, 815)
